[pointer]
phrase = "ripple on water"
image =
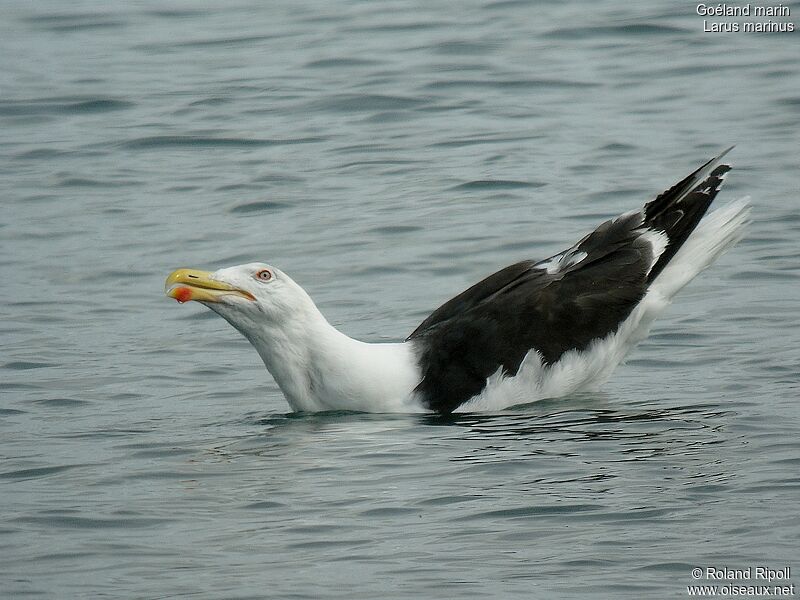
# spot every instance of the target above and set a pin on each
(74, 22)
(617, 31)
(525, 84)
(65, 403)
(57, 521)
(197, 141)
(36, 473)
(57, 106)
(25, 365)
(497, 184)
(343, 62)
(345, 103)
(533, 511)
(266, 206)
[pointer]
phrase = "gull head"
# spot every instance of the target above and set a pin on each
(248, 296)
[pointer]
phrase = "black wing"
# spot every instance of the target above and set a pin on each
(559, 304)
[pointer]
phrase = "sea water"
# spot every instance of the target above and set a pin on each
(386, 155)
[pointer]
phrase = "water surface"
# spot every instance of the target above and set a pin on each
(386, 155)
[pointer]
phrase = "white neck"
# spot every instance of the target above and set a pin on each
(319, 368)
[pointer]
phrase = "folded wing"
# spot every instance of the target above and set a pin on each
(559, 304)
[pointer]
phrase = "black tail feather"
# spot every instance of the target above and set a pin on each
(677, 211)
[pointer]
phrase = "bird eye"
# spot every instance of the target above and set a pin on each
(264, 275)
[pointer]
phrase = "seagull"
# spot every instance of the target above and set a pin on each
(533, 330)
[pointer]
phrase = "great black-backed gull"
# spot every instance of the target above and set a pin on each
(532, 330)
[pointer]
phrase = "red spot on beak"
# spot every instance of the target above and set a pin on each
(183, 295)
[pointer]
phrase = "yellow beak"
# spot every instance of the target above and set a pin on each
(190, 284)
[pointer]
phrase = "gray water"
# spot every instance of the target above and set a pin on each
(386, 155)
